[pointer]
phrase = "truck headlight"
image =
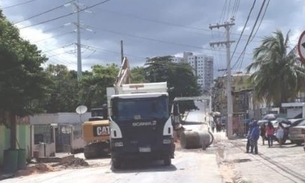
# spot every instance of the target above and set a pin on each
(118, 144)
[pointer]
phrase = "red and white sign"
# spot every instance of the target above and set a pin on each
(301, 47)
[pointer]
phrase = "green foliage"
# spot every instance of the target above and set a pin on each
(22, 80)
(278, 76)
(64, 90)
(138, 75)
(179, 76)
(93, 86)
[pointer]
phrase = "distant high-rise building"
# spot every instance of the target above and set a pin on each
(208, 72)
(177, 59)
(202, 67)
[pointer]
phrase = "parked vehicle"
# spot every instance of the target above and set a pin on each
(296, 132)
(286, 123)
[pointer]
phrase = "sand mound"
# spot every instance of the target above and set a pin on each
(38, 168)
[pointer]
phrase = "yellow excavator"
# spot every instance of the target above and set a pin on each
(96, 133)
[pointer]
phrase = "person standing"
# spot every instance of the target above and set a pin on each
(213, 126)
(248, 145)
(263, 133)
(280, 134)
(270, 133)
(254, 137)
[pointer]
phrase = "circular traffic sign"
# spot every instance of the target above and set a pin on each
(301, 47)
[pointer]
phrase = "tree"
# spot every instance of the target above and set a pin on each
(137, 75)
(93, 86)
(278, 75)
(23, 84)
(180, 76)
(64, 90)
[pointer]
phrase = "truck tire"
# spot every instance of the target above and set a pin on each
(167, 161)
(89, 153)
(116, 164)
(298, 142)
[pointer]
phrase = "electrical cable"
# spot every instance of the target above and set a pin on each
(66, 15)
(241, 34)
(249, 38)
(260, 21)
(14, 5)
(42, 13)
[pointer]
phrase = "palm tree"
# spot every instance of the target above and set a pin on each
(278, 75)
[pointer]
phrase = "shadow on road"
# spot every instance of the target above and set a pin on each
(144, 166)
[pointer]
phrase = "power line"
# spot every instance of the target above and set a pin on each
(259, 25)
(115, 52)
(158, 21)
(242, 60)
(249, 38)
(42, 13)
(14, 5)
(53, 36)
(64, 46)
(241, 34)
(66, 15)
(235, 7)
(151, 39)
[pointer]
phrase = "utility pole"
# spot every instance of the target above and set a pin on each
(122, 51)
(78, 44)
(227, 43)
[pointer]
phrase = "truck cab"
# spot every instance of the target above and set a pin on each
(141, 127)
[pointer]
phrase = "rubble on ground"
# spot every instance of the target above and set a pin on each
(37, 168)
(75, 162)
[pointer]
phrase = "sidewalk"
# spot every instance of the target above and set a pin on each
(275, 164)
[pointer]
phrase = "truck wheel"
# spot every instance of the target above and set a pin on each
(88, 153)
(167, 161)
(299, 143)
(116, 164)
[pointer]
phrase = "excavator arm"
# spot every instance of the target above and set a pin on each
(123, 75)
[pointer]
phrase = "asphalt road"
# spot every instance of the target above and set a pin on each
(188, 166)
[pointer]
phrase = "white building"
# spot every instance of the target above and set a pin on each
(203, 68)
(177, 59)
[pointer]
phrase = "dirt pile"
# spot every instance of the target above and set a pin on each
(75, 162)
(38, 168)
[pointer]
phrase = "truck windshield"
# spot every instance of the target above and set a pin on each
(140, 108)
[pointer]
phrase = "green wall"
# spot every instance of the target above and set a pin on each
(23, 139)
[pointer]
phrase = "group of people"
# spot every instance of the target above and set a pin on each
(216, 123)
(266, 132)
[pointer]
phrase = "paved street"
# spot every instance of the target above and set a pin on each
(275, 164)
(193, 166)
(188, 166)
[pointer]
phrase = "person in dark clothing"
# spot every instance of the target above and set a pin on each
(254, 136)
(263, 133)
(248, 145)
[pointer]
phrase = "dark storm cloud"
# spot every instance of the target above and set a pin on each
(158, 27)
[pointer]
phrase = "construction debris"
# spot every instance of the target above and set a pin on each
(38, 168)
(75, 162)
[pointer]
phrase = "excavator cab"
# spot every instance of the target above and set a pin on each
(99, 112)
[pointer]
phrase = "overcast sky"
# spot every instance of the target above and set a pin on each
(149, 28)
